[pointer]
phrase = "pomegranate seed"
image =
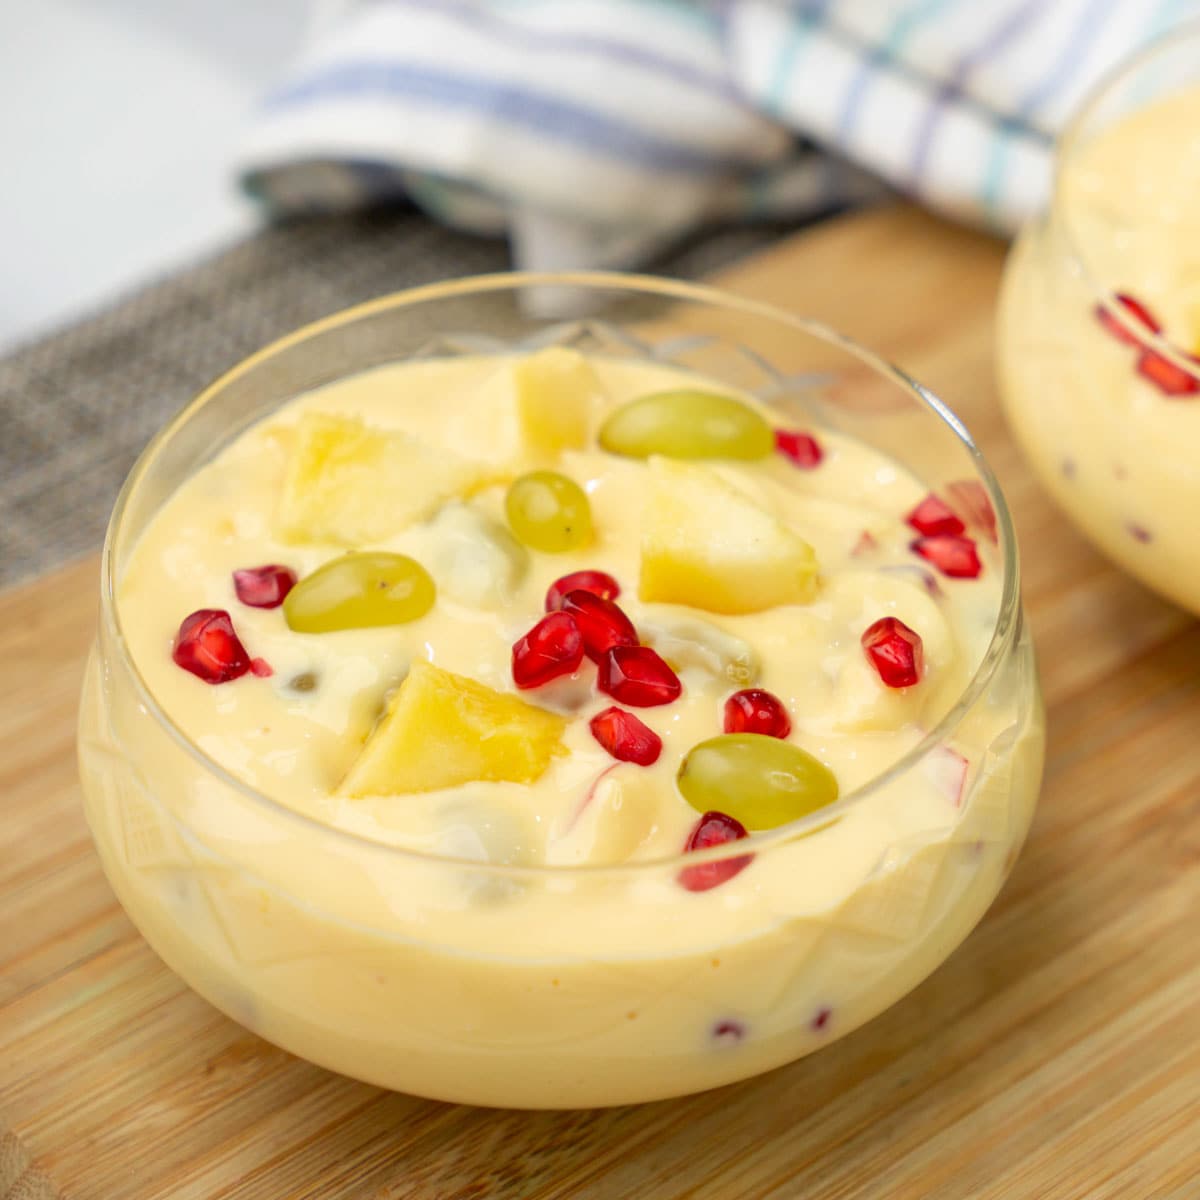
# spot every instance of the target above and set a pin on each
(728, 1032)
(626, 737)
(714, 829)
(207, 646)
(933, 515)
(599, 583)
(1137, 310)
(261, 668)
(553, 647)
(970, 498)
(821, 1018)
(602, 624)
(635, 675)
(802, 448)
(895, 651)
(1170, 378)
(952, 555)
(263, 587)
(756, 711)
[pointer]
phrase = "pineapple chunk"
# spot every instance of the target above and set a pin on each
(707, 545)
(353, 485)
(441, 730)
(556, 389)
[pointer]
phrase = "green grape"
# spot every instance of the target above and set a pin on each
(758, 780)
(549, 512)
(687, 423)
(358, 591)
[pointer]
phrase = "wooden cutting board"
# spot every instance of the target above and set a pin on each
(1056, 1055)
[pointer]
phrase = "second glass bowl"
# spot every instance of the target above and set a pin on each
(1099, 321)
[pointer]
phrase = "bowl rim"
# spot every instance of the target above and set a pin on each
(1071, 141)
(1005, 632)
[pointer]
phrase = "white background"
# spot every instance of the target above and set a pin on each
(118, 119)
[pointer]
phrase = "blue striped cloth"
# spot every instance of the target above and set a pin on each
(593, 132)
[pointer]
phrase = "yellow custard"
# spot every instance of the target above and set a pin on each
(537, 940)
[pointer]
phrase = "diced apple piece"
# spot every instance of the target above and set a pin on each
(354, 485)
(441, 730)
(556, 392)
(474, 559)
(707, 545)
(620, 811)
(947, 769)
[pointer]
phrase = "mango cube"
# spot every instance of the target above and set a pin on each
(707, 545)
(354, 485)
(441, 730)
(556, 391)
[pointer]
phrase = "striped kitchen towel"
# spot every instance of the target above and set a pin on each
(593, 132)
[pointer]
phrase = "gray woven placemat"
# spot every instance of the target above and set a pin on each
(76, 407)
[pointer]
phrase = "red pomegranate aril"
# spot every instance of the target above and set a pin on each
(728, 1032)
(1137, 310)
(626, 737)
(801, 448)
(754, 710)
(261, 668)
(933, 516)
(599, 583)
(263, 587)
(953, 555)
(637, 676)
(207, 646)
(895, 651)
(553, 647)
(602, 624)
(1170, 378)
(713, 829)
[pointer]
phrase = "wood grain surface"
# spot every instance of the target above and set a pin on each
(1055, 1056)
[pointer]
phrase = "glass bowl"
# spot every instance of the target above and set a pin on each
(562, 986)
(1106, 410)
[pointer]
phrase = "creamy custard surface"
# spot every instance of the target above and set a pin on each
(436, 949)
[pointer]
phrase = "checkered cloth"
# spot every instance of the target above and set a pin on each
(592, 130)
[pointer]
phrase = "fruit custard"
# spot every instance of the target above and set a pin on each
(521, 645)
(1099, 330)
